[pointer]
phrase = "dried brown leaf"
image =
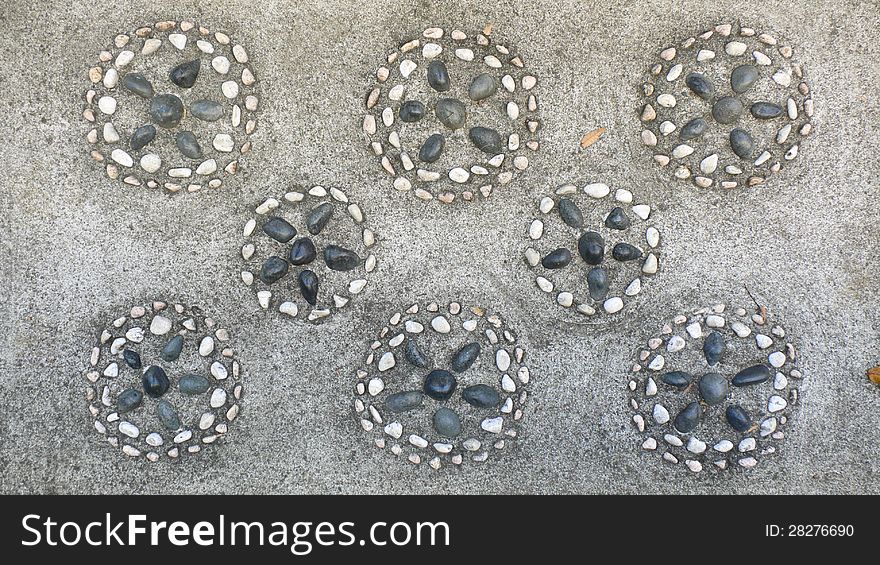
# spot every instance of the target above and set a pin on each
(874, 375)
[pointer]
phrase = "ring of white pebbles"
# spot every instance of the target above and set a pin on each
(462, 169)
(225, 78)
(594, 203)
(769, 76)
(488, 398)
(758, 374)
(345, 227)
(202, 393)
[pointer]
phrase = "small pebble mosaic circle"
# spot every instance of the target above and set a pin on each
(453, 115)
(715, 390)
(593, 248)
(308, 254)
(171, 105)
(726, 108)
(443, 385)
(163, 381)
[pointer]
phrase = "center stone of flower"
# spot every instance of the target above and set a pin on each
(166, 110)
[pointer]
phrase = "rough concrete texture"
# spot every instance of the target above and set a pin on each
(76, 246)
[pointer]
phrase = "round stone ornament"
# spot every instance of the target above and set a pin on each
(308, 254)
(163, 381)
(726, 108)
(445, 385)
(171, 105)
(715, 389)
(452, 115)
(592, 248)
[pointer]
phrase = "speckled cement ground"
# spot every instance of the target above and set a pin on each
(76, 245)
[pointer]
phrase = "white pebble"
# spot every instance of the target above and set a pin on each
(777, 359)
(613, 305)
(229, 89)
(666, 100)
(502, 360)
(218, 398)
(160, 325)
(375, 386)
(178, 40)
(723, 446)
(492, 425)
(223, 142)
(735, 48)
(776, 403)
(676, 343)
(660, 414)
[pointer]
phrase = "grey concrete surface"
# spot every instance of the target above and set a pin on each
(76, 245)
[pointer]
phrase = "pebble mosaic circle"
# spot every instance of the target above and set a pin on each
(592, 248)
(163, 380)
(443, 384)
(308, 254)
(171, 105)
(452, 115)
(715, 389)
(726, 108)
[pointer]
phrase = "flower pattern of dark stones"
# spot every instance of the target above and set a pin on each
(726, 108)
(715, 389)
(308, 254)
(443, 384)
(171, 105)
(163, 380)
(452, 116)
(592, 248)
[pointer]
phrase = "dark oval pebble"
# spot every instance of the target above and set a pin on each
(274, 268)
(743, 77)
(318, 218)
(142, 136)
(167, 415)
(465, 357)
(438, 76)
(714, 347)
(481, 396)
(693, 129)
(184, 75)
(279, 229)
(414, 355)
(570, 213)
(166, 110)
(483, 86)
(597, 282)
(440, 384)
(450, 112)
(713, 388)
(340, 258)
(727, 110)
(591, 247)
(308, 286)
(700, 85)
(688, 418)
(138, 84)
(302, 252)
(172, 349)
(678, 379)
(446, 422)
(412, 111)
(753, 375)
(556, 259)
(194, 384)
(738, 418)
(626, 252)
(206, 110)
(403, 401)
(765, 110)
(741, 143)
(432, 148)
(617, 219)
(155, 381)
(128, 400)
(486, 140)
(189, 145)
(131, 358)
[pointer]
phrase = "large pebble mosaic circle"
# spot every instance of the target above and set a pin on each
(453, 115)
(592, 248)
(443, 384)
(171, 105)
(163, 381)
(308, 254)
(715, 389)
(726, 108)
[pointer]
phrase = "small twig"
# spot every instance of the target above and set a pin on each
(591, 137)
